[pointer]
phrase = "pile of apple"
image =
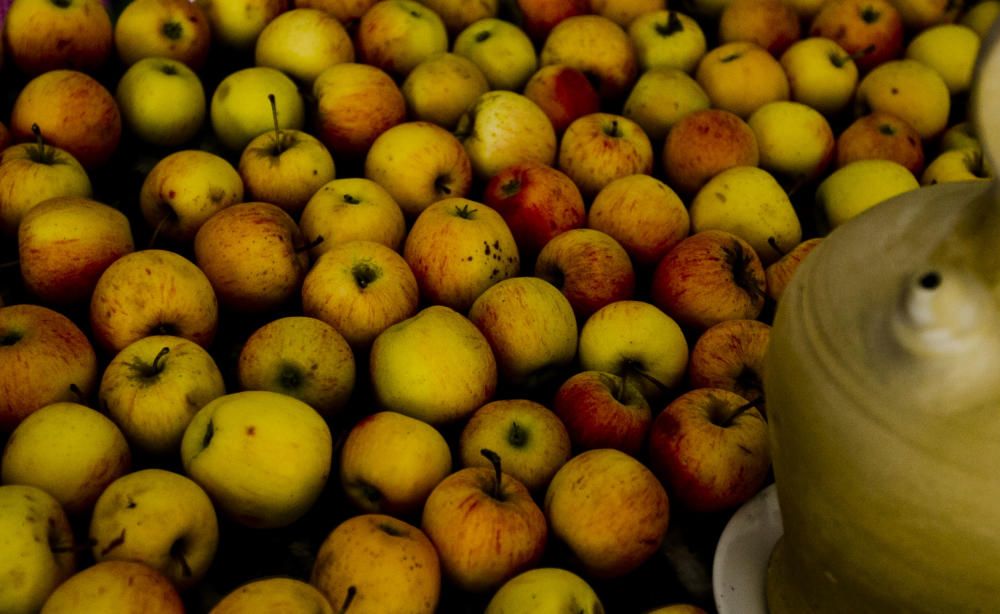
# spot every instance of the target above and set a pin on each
(466, 300)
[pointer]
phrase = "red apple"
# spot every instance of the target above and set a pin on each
(869, 30)
(881, 135)
(704, 143)
(772, 24)
(730, 355)
(603, 410)
(355, 103)
(44, 35)
(538, 17)
(563, 93)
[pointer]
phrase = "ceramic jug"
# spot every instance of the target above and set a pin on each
(883, 394)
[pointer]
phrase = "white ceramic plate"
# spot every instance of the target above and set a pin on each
(739, 569)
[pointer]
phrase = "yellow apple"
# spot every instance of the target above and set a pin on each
(239, 109)
(162, 101)
(544, 590)
(910, 90)
(273, 596)
(962, 135)
(597, 46)
(442, 87)
(740, 77)
(951, 50)
(303, 43)
(351, 209)
(667, 39)
(860, 185)
(175, 29)
(236, 25)
(503, 128)
(981, 16)
(41, 36)
(347, 11)
(396, 35)
(919, 15)
(956, 165)
(33, 172)
(820, 74)
(598, 148)
(771, 24)
(459, 14)
(501, 50)
(106, 586)
(355, 104)
(660, 98)
(795, 141)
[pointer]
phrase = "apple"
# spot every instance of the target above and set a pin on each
(563, 93)
(603, 410)
(711, 276)
(956, 165)
(419, 163)
(270, 459)
(360, 288)
(704, 143)
(794, 140)
(740, 77)
(457, 248)
(919, 15)
(821, 74)
(184, 189)
(162, 101)
(881, 135)
(730, 355)
(68, 450)
(643, 214)
(710, 447)
(910, 90)
(660, 98)
(667, 39)
(74, 111)
(65, 243)
(44, 35)
(355, 104)
(254, 256)
(175, 29)
(860, 185)
(589, 267)
(38, 544)
(598, 47)
(962, 135)
(351, 209)
(531, 328)
(598, 148)
(532, 441)
(152, 292)
(4, 132)
(625, 12)
(154, 386)
(950, 49)
(301, 357)
(503, 52)
(236, 120)
(434, 366)
(677, 608)
(609, 510)
(459, 14)
(160, 518)
(396, 35)
(538, 17)
(870, 31)
(236, 26)
(772, 24)
(779, 273)
(980, 16)
(390, 463)
(503, 128)
(44, 358)
(302, 43)
(347, 11)
(272, 594)
(544, 590)
(440, 88)
(485, 526)
(106, 586)
(377, 564)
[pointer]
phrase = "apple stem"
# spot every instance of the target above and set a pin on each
(351, 592)
(308, 246)
(76, 390)
(9, 264)
(671, 26)
(742, 409)
(43, 155)
(157, 365)
(635, 368)
(279, 138)
(494, 459)
(774, 245)
(860, 53)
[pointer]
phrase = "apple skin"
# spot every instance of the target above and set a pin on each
(821, 74)
(779, 273)
(795, 141)
(869, 30)
(501, 49)
(347, 11)
(43, 356)
(459, 14)
(956, 165)
(951, 49)
(667, 39)
(176, 29)
(31, 173)
(351, 209)
(538, 17)
(271, 595)
(162, 101)
(600, 410)
(303, 42)
(741, 76)
(442, 87)
(105, 586)
(236, 26)
(660, 98)
(285, 169)
(704, 143)
(503, 128)
(730, 355)
(544, 590)
(710, 456)
(596, 46)
(41, 36)
(860, 185)
(239, 108)
(910, 90)
(563, 93)
(771, 24)
(598, 148)
(355, 104)
(881, 135)
(396, 35)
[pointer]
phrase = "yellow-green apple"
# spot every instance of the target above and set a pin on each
(660, 98)
(750, 203)
(531, 328)
(710, 447)
(503, 128)
(501, 50)
(598, 47)
(860, 185)
(175, 29)
(347, 11)
(624, 12)
(459, 14)
(160, 518)
(771, 24)
(302, 357)
(956, 165)
(43, 35)
(253, 254)
(355, 103)
(598, 148)
(950, 49)
(603, 410)
(537, 202)
(795, 141)
(741, 76)
(589, 267)
(563, 93)
(544, 590)
(435, 366)
(238, 109)
(918, 15)
(730, 355)
(390, 463)
(108, 585)
(377, 564)
(538, 17)
(65, 243)
(485, 526)
(457, 248)
(962, 135)
(396, 35)
(154, 386)
(881, 135)
(360, 288)
(780, 272)
(44, 358)
(184, 189)
(980, 16)
(820, 74)
(870, 31)
(643, 214)
(263, 457)
(33, 172)
(351, 209)
(162, 101)
(38, 545)
(152, 292)
(910, 90)
(667, 39)
(285, 167)
(711, 276)
(419, 163)
(632, 338)
(528, 436)
(236, 26)
(272, 595)
(609, 510)
(440, 88)
(704, 143)
(74, 111)
(303, 43)
(68, 450)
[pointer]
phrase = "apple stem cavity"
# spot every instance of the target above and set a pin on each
(172, 30)
(465, 212)
(79, 393)
(672, 25)
(351, 200)
(364, 274)
(483, 36)
(209, 433)
(494, 459)
(176, 551)
(441, 185)
(511, 188)
(773, 242)
(634, 367)
(308, 246)
(351, 592)
(157, 365)
(517, 436)
(739, 411)
(739, 262)
(10, 338)
(614, 130)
